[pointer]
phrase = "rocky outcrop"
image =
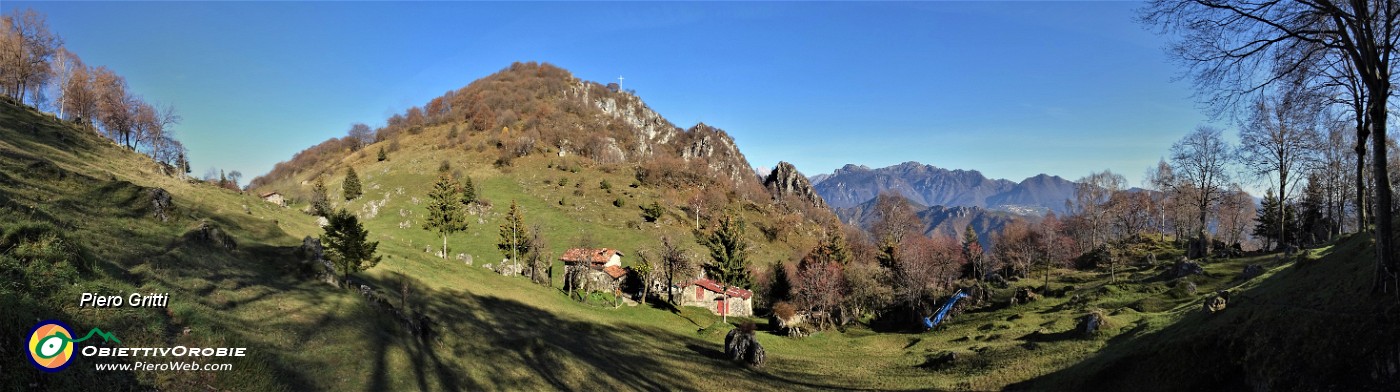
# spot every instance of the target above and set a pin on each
(209, 234)
(162, 204)
(785, 180)
(718, 150)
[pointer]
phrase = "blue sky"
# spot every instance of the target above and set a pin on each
(1011, 89)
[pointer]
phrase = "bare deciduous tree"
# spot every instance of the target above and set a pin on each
(1281, 138)
(26, 48)
(1199, 163)
(1090, 201)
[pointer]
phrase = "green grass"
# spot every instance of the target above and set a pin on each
(497, 333)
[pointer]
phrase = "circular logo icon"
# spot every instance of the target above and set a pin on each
(50, 345)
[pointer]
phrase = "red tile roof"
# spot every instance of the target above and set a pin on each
(615, 271)
(715, 287)
(596, 256)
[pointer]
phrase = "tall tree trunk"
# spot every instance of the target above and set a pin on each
(1282, 202)
(444, 246)
(1385, 242)
(1362, 132)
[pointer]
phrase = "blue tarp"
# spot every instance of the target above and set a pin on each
(938, 317)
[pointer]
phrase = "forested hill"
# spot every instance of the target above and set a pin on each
(531, 109)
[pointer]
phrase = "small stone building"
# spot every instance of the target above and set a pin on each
(708, 294)
(274, 198)
(593, 269)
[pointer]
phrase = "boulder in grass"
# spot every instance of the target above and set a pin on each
(740, 345)
(161, 204)
(1251, 271)
(1184, 268)
(1216, 303)
(1024, 295)
(1089, 325)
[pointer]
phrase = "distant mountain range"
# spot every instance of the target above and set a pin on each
(942, 220)
(926, 185)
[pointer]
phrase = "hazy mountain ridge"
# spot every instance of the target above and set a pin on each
(941, 220)
(928, 185)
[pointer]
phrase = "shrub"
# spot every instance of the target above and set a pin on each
(652, 212)
(619, 202)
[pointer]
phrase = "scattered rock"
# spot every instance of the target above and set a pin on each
(1024, 295)
(466, 258)
(508, 268)
(1188, 287)
(161, 203)
(1251, 271)
(1216, 303)
(210, 235)
(740, 345)
(313, 257)
(1185, 268)
(321, 221)
(1089, 325)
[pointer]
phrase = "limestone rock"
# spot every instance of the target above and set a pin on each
(785, 180)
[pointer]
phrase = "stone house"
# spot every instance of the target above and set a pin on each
(711, 295)
(274, 198)
(593, 269)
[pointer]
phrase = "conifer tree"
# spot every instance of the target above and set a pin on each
(351, 186)
(468, 191)
(1269, 223)
(728, 252)
(445, 212)
(382, 156)
(347, 244)
(320, 205)
(515, 236)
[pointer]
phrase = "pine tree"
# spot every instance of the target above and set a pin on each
(351, 186)
(445, 212)
(728, 252)
(1269, 224)
(468, 191)
(1313, 221)
(515, 236)
(833, 247)
(320, 204)
(382, 156)
(223, 180)
(347, 244)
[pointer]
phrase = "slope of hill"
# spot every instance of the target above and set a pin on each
(1306, 325)
(928, 185)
